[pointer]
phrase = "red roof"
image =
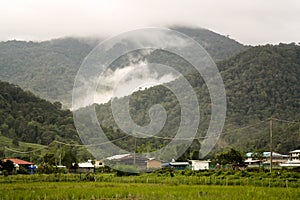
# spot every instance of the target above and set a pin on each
(18, 161)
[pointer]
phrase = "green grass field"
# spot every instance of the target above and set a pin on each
(100, 190)
(23, 146)
(181, 185)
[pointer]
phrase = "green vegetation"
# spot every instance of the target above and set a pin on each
(33, 125)
(260, 82)
(250, 177)
(263, 82)
(218, 46)
(6, 142)
(48, 68)
(140, 191)
(21, 146)
(25, 117)
(231, 156)
(157, 185)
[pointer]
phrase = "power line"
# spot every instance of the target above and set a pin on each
(24, 152)
(286, 121)
(161, 137)
(88, 145)
(154, 136)
(248, 126)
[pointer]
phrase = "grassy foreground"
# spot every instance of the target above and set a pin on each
(100, 190)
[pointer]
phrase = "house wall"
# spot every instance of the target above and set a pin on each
(295, 156)
(85, 170)
(196, 165)
(99, 163)
(153, 164)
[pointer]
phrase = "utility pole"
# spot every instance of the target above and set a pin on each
(4, 152)
(271, 144)
(134, 151)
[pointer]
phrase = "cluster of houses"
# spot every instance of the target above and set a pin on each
(291, 160)
(146, 164)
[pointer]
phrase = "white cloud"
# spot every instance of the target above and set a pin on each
(251, 22)
(124, 81)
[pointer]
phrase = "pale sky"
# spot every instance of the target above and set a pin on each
(248, 21)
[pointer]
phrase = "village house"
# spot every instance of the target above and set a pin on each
(294, 159)
(179, 165)
(295, 155)
(21, 163)
(277, 159)
(199, 164)
(85, 167)
(129, 159)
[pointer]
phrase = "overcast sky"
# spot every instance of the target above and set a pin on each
(247, 21)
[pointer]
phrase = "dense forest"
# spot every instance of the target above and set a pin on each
(218, 46)
(26, 117)
(37, 127)
(261, 82)
(48, 68)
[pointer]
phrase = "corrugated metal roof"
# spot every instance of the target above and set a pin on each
(86, 165)
(18, 161)
(179, 163)
(295, 151)
(116, 157)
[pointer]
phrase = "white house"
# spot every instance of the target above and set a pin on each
(199, 164)
(86, 166)
(277, 158)
(294, 160)
(295, 155)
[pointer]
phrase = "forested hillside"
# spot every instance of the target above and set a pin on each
(25, 117)
(218, 46)
(48, 68)
(261, 82)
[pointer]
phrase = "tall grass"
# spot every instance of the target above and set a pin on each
(101, 190)
(226, 179)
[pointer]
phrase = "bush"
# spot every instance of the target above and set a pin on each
(242, 174)
(126, 170)
(5, 173)
(23, 170)
(45, 169)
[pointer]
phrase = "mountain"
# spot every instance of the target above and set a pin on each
(260, 83)
(27, 118)
(48, 68)
(263, 82)
(34, 129)
(218, 46)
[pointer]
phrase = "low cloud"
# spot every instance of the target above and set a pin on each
(124, 81)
